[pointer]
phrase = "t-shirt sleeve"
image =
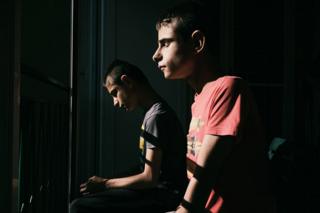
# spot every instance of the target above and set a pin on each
(152, 132)
(225, 109)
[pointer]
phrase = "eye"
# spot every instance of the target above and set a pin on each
(114, 93)
(166, 44)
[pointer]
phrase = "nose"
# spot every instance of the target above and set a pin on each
(157, 56)
(115, 102)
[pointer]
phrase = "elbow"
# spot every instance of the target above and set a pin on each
(151, 180)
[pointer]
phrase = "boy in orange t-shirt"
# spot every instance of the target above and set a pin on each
(227, 159)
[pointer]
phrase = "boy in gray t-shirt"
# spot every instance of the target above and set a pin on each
(160, 184)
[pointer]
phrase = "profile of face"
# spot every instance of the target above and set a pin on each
(174, 54)
(123, 95)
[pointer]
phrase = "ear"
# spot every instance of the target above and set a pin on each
(126, 80)
(199, 40)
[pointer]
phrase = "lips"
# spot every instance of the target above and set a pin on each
(161, 67)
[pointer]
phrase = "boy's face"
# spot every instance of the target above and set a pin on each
(122, 95)
(174, 55)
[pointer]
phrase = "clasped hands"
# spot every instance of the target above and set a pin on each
(93, 185)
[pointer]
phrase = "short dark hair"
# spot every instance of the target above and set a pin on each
(117, 68)
(194, 15)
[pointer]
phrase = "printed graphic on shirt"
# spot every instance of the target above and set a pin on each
(142, 150)
(194, 141)
(141, 142)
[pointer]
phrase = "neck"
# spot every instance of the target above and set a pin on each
(147, 97)
(205, 71)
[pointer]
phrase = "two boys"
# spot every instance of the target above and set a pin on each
(227, 164)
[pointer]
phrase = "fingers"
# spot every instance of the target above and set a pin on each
(88, 187)
(83, 185)
(82, 190)
(93, 184)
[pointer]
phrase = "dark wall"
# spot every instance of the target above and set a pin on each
(307, 63)
(6, 93)
(259, 58)
(277, 50)
(45, 47)
(44, 106)
(9, 61)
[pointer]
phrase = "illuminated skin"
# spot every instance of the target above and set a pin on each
(123, 96)
(173, 53)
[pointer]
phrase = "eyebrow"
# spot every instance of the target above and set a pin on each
(166, 40)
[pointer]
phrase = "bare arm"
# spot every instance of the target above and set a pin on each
(213, 152)
(146, 179)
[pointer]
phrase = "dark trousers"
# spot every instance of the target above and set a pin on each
(126, 200)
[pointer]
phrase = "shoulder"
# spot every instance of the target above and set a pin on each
(228, 84)
(161, 121)
(158, 111)
(229, 81)
(157, 108)
(222, 83)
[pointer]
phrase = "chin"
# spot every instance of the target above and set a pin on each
(175, 75)
(169, 76)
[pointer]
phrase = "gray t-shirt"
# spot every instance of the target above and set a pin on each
(161, 129)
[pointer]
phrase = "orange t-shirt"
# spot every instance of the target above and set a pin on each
(225, 107)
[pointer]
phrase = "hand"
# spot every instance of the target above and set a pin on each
(93, 185)
(181, 209)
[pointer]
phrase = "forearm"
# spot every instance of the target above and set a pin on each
(138, 181)
(197, 193)
(147, 179)
(210, 159)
